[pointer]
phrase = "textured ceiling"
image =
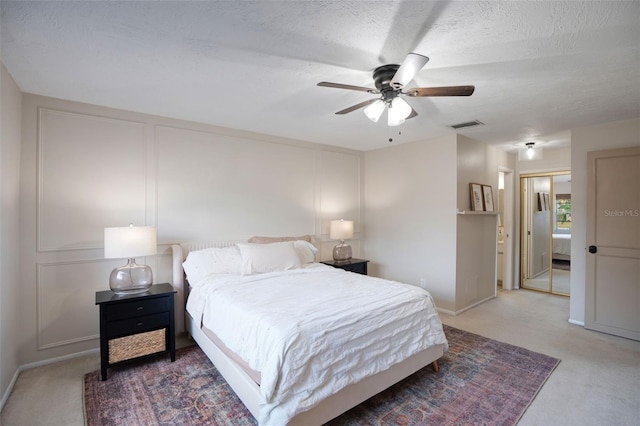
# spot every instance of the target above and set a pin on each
(540, 67)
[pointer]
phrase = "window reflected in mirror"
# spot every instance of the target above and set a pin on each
(562, 212)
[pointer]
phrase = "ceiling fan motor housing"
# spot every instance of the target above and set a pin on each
(382, 78)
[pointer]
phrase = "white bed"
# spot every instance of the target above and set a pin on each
(562, 246)
(372, 363)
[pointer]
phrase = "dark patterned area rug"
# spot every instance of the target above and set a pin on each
(481, 381)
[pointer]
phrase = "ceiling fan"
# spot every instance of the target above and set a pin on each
(390, 81)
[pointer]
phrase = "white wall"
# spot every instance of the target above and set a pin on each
(10, 111)
(412, 192)
(618, 134)
(410, 202)
(561, 187)
(553, 160)
(478, 162)
(86, 167)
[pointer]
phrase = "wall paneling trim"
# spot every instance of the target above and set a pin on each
(67, 290)
(91, 174)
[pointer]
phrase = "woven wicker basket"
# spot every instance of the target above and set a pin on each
(137, 345)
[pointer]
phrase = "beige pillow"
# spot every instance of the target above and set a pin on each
(269, 240)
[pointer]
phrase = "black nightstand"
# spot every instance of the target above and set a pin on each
(136, 325)
(359, 266)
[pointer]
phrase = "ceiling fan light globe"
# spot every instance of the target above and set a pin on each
(394, 120)
(375, 110)
(399, 110)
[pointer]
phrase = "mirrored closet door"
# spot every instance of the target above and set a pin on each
(545, 206)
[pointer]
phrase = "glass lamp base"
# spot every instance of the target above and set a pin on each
(131, 278)
(342, 252)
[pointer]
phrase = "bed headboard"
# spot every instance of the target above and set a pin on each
(179, 254)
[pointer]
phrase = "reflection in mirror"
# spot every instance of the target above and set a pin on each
(537, 258)
(561, 237)
(546, 232)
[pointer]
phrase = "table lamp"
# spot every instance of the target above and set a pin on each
(341, 230)
(130, 242)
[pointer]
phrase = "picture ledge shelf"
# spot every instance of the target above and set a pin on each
(472, 212)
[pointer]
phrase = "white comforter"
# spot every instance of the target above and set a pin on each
(562, 244)
(313, 331)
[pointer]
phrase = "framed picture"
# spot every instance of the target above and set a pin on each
(475, 190)
(487, 194)
(540, 201)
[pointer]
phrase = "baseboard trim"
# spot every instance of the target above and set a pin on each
(58, 359)
(445, 311)
(466, 308)
(572, 321)
(31, 365)
(5, 397)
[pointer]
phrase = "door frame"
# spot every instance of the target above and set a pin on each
(523, 222)
(508, 225)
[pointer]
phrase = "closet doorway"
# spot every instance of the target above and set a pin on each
(545, 206)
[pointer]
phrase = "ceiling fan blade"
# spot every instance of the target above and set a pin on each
(347, 86)
(442, 91)
(357, 106)
(410, 67)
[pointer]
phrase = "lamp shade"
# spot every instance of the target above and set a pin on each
(399, 110)
(375, 110)
(341, 229)
(129, 242)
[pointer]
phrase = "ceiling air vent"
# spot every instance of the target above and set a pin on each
(467, 124)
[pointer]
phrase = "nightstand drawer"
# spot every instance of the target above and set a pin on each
(137, 308)
(358, 266)
(137, 325)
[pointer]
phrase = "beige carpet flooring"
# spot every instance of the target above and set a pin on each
(561, 282)
(596, 383)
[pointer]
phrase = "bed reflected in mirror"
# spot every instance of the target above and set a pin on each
(561, 234)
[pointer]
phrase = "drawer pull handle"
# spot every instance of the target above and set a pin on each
(140, 323)
(140, 308)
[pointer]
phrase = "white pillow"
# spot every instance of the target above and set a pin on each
(306, 251)
(214, 260)
(260, 258)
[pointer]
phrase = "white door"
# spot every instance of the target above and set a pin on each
(613, 242)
